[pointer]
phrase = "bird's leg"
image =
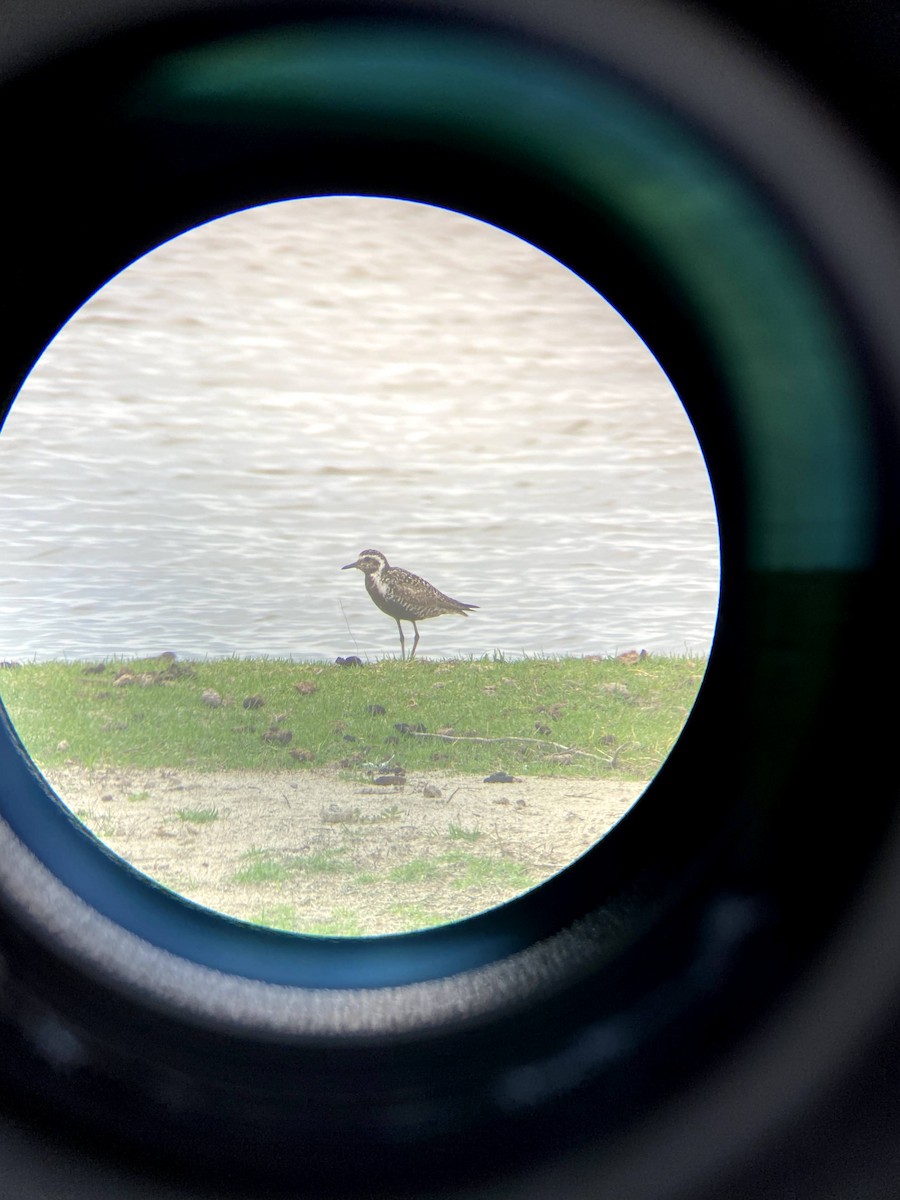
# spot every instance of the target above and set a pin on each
(402, 640)
(412, 653)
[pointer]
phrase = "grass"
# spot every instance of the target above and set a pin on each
(462, 871)
(364, 870)
(262, 869)
(582, 717)
(277, 916)
(428, 882)
(197, 816)
(461, 834)
(343, 922)
(418, 892)
(475, 870)
(265, 866)
(418, 870)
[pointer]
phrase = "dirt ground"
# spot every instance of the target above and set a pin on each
(314, 852)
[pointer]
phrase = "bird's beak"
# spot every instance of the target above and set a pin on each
(348, 566)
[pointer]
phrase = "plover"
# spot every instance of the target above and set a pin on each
(404, 596)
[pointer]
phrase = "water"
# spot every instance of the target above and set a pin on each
(230, 421)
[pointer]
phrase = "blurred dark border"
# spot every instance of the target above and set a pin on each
(847, 1146)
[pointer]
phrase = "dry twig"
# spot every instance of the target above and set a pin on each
(459, 737)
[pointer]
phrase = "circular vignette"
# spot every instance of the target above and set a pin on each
(690, 924)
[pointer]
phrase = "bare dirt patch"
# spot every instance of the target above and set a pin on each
(314, 852)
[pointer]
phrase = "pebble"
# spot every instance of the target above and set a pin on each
(279, 737)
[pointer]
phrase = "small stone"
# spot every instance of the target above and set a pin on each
(334, 814)
(302, 755)
(376, 710)
(254, 702)
(210, 696)
(124, 680)
(278, 737)
(176, 670)
(632, 656)
(62, 746)
(351, 661)
(432, 791)
(306, 687)
(499, 777)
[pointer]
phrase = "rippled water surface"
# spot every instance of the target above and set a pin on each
(216, 433)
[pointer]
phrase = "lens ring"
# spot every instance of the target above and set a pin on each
(803, 424)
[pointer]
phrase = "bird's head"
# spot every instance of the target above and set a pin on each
(370, 562)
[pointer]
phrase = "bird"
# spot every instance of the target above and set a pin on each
(404, 596)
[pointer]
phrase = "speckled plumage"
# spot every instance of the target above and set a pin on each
(404, 596)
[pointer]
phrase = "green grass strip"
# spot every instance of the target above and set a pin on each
(590, 717)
